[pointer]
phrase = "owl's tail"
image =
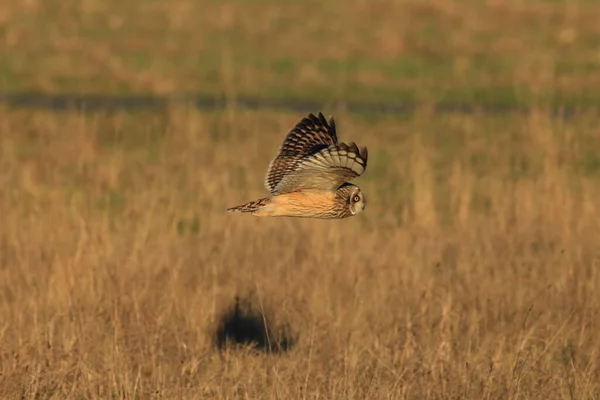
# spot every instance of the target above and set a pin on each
(252, 206)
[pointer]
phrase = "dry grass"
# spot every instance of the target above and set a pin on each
(500, 50)
(473, 273)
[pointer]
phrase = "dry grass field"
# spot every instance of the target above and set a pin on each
(474, 272)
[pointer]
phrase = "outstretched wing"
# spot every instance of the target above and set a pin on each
(326, 169)
(309, 136)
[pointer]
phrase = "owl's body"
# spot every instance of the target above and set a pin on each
(307, 178)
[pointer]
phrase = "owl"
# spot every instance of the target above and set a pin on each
(308, 176)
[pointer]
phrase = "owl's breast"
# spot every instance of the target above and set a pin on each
(306, 203)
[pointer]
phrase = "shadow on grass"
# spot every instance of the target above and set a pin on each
(245, 325)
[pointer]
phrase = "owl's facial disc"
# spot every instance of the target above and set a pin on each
(357, 201)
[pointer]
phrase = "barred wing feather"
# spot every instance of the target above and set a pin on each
(326, 169)
(308, 137)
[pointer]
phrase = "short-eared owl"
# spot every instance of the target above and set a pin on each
(308, 176)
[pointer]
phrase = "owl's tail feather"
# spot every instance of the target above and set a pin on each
(252, 206)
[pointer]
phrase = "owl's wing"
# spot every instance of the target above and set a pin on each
(309, 136)
(326, 169)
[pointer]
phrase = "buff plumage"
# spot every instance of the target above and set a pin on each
(308, 176)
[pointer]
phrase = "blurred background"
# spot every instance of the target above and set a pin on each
(479, 53)
(128, 127)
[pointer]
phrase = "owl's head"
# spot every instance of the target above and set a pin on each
(355, 200)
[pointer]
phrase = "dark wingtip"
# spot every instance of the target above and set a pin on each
(316, 120)
(352, 147)
(332, 125)
(322, 119)
(364, 153)
(360, 151)
(311, 119)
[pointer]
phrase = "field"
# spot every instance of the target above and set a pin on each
(474, 272)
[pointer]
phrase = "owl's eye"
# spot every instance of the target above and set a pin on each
(356, 199)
